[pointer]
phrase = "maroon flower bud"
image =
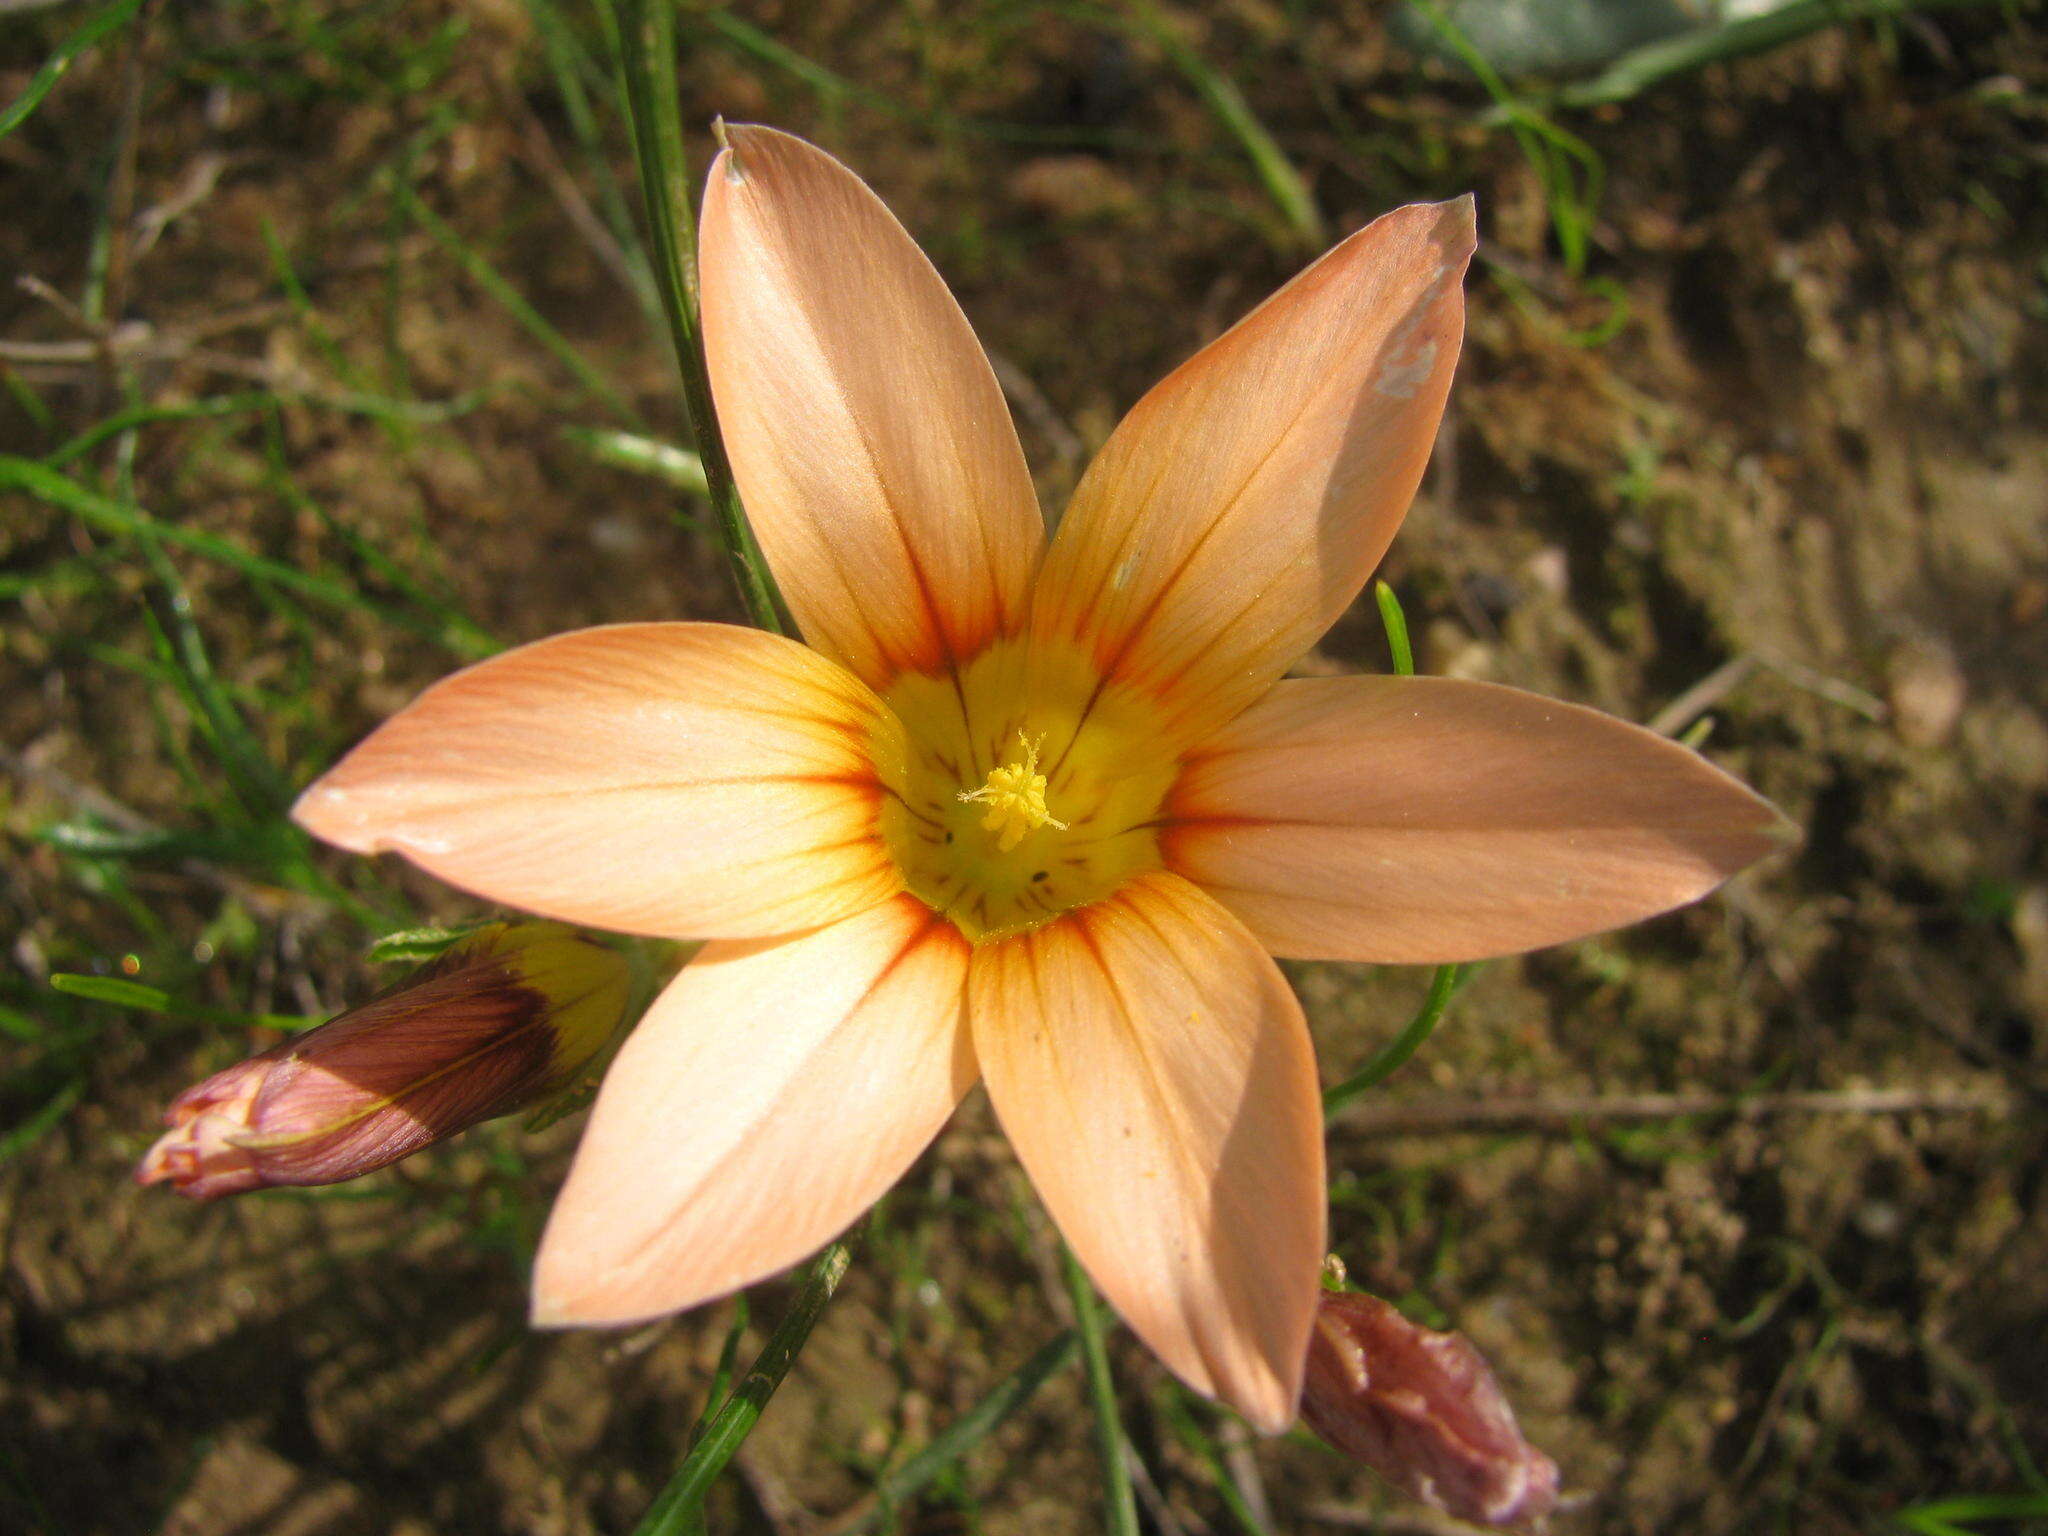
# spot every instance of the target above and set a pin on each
(1423, 1411)
(503, 1019)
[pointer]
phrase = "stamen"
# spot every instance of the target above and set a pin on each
(1015, 797)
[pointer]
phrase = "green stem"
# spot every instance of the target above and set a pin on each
(897, 1488)
(676, 1509)
(715, 1398)
(1443, 986)
(1120, 1509)
(647, 60)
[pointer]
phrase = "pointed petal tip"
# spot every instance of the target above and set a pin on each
(331, 813)
(750, 149)
(734, 139)
(1170, 1125)
(1495, 822)
(1451, 225)
(1766, 833)
(305, 811)
(573, 1288)
(560, 1309)
(736, 136)
(1781, 831)
(1265, 1389)
(1271, 1411)
(562, 1300)
(558, 1314)
(1757, 828)
(1457, 227)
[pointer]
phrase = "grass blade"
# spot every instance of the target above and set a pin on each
(1641, 68)
(1396, 623)
(899, 1487)
(1443, 986)
(115, 16)
(1960, 1516)
(647, 48)
(832, 89)
(17, 474)
(1568, 169)
(645, 455)
(480, 271)
(1174, 1408)
(116, 993)
(1119, 1506)
(47, 1117)
(1276, 173)
(676, 1509)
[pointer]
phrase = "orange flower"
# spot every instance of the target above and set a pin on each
(1037, 813)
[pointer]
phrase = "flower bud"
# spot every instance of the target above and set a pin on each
(504, 1018)
(1423, 1411)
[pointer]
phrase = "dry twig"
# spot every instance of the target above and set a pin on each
(1560, 1112)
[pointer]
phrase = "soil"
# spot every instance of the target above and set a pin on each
(1808, 469)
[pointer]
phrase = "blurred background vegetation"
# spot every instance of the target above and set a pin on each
(328, 361)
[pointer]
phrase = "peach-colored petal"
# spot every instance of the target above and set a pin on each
(1422, 819)
(691, 780)
(877, 459)
(769, 1096)
(1240, 506)
(1154, 1072)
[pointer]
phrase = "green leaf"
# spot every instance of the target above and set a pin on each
(414, 945)
(111, 989)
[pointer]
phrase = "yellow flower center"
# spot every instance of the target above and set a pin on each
(1020, 788)
(1015, 797)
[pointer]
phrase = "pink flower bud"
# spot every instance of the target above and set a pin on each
(1423, 1411)
(503, 1019)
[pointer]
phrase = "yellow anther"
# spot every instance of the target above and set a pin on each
(1015, 797)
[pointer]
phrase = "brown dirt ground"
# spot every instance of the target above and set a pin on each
(1816, 442)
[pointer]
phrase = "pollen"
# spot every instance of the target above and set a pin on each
(1015, 797)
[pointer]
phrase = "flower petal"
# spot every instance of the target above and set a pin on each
(1240, 506)
(879, 465)
(689, 780)
(769, 1096)
(1154, 1072)
(1421, 820)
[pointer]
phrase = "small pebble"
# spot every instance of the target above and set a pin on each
(1927, 691)
(1550, 570)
